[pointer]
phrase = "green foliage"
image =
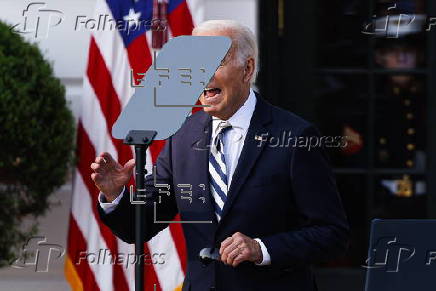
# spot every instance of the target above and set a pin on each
(36, 138)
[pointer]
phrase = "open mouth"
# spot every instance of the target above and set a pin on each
(211, 92)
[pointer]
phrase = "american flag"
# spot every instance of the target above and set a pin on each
(113, 52)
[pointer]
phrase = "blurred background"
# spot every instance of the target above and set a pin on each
(363, 69)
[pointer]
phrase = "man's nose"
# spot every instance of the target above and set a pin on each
(211, 80)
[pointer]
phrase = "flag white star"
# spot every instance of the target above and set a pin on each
(132, 18)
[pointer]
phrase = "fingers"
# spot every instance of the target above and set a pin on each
(96, 178)
(129, 165)
(230, 249)
(225, 243)
(97, 167)
(102, 162)
(237, 249)
(241, 257)
(107, 157)
(233, 255)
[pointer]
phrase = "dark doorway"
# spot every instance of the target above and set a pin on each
(325, 61)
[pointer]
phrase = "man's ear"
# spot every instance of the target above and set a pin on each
(248, 70)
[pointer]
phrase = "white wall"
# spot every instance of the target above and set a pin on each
(67, 50)
(63, 45)
(244, 11)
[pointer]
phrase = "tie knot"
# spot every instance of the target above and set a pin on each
(222, 128)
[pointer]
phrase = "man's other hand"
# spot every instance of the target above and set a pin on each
(109, 176)
(239, 248)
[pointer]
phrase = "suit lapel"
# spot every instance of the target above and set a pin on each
(250, 151)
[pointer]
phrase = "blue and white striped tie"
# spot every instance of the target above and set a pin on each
(218, 169)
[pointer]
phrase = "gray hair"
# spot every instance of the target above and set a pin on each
(243, 40)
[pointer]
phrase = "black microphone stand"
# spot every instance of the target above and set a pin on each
(141, 139)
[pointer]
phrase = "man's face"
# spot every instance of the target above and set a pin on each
(228, 88)
(398, 58)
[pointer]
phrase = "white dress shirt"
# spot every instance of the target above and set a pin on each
(233, 143)
(234, 138)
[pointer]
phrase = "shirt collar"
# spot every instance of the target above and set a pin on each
(241, 118)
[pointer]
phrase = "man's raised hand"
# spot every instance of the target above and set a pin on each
(109, 176)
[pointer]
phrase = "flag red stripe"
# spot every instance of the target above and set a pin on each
(110, 103)
(86, 152)
(76, 245)
(180, 20)
(101, 81)
(175, 228)
(139, 56)
(179, 239)
(155, 149)
(140, 59)
(150, 276)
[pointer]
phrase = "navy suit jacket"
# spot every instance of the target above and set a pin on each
(283, 194)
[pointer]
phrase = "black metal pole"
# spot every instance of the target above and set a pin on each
(141, 139)
(140, 171)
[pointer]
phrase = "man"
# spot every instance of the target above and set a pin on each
(274, 210)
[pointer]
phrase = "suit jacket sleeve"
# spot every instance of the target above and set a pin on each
(323, 231)
(122, 219)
